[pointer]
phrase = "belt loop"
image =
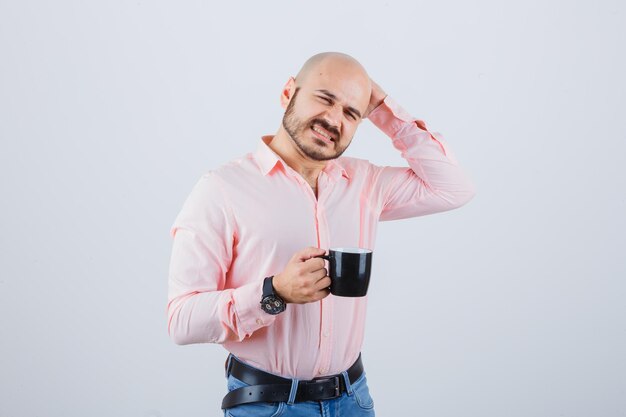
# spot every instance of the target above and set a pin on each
(346, 378)
(293, 392)
(229, 361)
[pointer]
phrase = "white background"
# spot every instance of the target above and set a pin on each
(110, 111)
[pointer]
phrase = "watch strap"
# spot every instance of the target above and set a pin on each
(268, 287)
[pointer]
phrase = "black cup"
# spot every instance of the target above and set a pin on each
(349, 271)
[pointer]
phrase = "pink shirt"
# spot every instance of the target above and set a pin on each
(244, 220)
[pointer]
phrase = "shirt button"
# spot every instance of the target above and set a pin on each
(259, 322)
(326, 333)
(323, 371)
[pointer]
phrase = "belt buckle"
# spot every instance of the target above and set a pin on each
(337, 387)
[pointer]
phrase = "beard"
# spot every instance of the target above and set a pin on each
(298, 129)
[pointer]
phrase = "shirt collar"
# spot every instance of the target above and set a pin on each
(268, 160)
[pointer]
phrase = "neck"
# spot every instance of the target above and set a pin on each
(284, 146)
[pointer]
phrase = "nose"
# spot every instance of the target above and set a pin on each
(334, 114)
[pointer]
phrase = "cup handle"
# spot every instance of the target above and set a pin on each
(327, 257)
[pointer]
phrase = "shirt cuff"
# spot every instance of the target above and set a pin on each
(390, 117)
(247, 303)
(397, 123)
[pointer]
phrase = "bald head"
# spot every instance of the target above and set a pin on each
(335, 63)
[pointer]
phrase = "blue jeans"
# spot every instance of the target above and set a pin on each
(356, 402)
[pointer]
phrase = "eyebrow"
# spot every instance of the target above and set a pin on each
(334, 97)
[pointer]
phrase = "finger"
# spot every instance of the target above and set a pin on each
(314, 264)
(310, 279)
(310, 252)
(321, 294)
(317, 275)
(323, 283)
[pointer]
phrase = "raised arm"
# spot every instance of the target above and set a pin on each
(432, 182)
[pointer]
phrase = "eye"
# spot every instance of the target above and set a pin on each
(326, 99)
(350, 115)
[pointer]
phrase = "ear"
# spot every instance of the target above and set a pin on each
(287, 92)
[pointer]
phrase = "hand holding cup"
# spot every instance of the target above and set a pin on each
(305, 278)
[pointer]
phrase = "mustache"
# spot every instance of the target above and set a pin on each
(327, 126)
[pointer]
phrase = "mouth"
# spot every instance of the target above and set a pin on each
(322, 134)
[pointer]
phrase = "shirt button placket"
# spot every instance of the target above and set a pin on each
(326, 303)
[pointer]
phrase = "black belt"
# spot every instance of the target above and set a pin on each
(266, 387)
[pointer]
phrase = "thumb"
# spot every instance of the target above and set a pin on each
(310, 252)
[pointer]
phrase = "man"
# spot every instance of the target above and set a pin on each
(254, 229)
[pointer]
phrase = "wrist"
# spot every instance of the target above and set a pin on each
(277, 286)
(375, 103)
(271, 302)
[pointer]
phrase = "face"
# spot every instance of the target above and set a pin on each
(321, 117)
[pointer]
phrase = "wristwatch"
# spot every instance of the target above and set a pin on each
(271, 303)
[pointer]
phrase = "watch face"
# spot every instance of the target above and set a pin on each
(272, 305)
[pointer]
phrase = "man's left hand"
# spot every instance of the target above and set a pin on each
(377, 97)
